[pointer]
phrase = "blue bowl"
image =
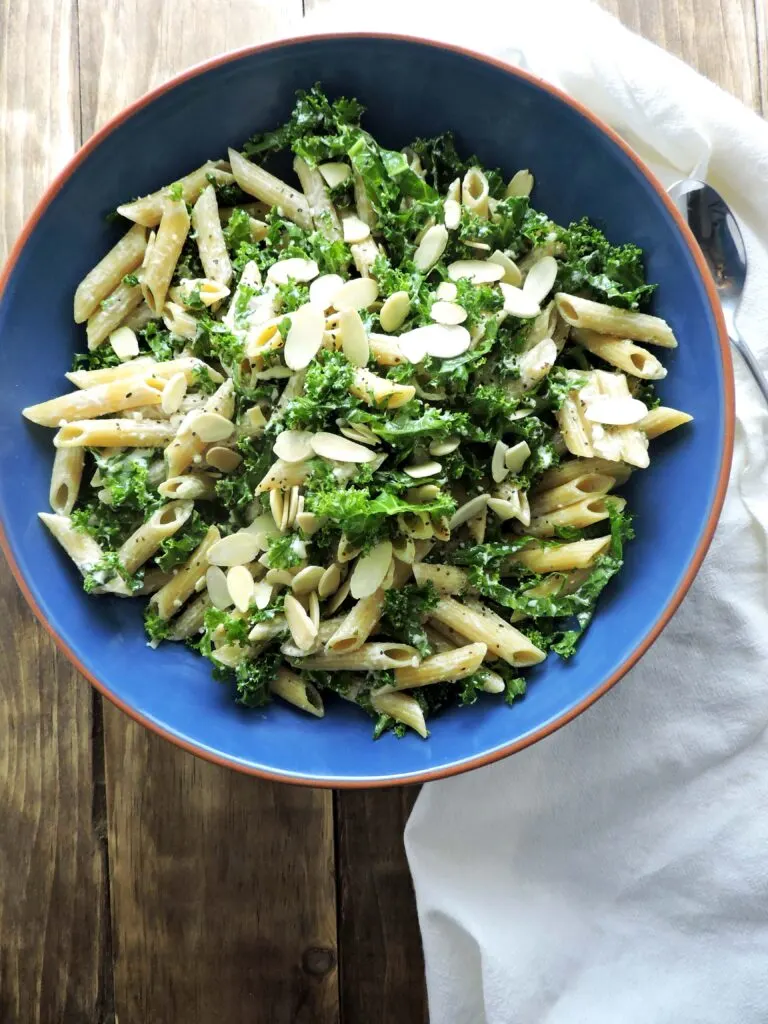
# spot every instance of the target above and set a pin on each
(411, 88)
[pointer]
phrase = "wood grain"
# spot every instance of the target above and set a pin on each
(761, 15)
(53, 880)
(223, 893)
(380, 958)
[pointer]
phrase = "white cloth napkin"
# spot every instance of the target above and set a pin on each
(617, 872)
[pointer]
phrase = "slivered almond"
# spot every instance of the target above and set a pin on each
(478, 271)
(354, 340)
(431, 248)
(262, 594)
(512, 273)
(211, 426)
(293, 445)
(516, 456)
(445, 447)
(314, 609)
(308, 579)
(285, 520)
(277, 507)
(394, 312)
(340, 449)
(295, 268)
(452, 214)
(517, 302)
(309, 523)
(278, 578)
(173, 393)
(337, 600)
(423, 469)
(499, 469)
(236, 549)
(216, 581)
(404, 550)
(521, 184)
(537, 362)
(354, 229)
(445, 342)
(263, 529)
(124, 343)
(468, 510)
(448, 313)
(329, 582)
(479, 246)
(370, 570)
(224, 459)
(540, 279)
(356, 434)
(305, 336)
(303, 630)
(334, 173)
(240, 587)
(617, 412)
(323, 289)
(293, 506)
(358, 293)
(446, 291)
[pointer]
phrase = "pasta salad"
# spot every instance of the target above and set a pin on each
(361, 433)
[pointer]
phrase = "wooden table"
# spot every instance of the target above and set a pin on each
(135, 880)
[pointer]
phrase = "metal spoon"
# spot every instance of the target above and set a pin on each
(716, 230)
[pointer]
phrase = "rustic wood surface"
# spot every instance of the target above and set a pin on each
(137, 882)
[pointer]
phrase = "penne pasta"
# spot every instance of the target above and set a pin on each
(65, 479)
(357, 625)
(579, 554)
(446, 579)
(622, 323)
(169, 599)
(402, 707)
(81, 547)
(573, 468)
(112, 312)
(321, 208)
(210, 238)
(119, 395)
(114, 433)
(576, 516)
(446, 667)
(164, 253)
(265, 186)
(298, 691)
(144, 366)
(191, 620)
(109, 272)
(588, 484)
(661, 419)
(149, 209)
(145, 541)
(622, 353)
(485, 627)
(380, 392)
(369, 657)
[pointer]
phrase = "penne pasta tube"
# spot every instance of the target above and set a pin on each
(121, 394)
(580, 554)
(357, 625)
(154, 579)
(210, 237)
(146, 540)
(321, 208)
(402, 707)
(621, 353)
(380, 392)
(81, 547)
(573, 468)
(576, 433)
(179, 321)
(282, 476)
(485, 627)
(111, 313)
(580, 514)
(109, 272)
(192, 619)
(474, 192)
(297, 691)
(447, 667)
(144, 366)
(164, 253)
(149, 209)
(169, 599)
(621, 323)
(588, 484)
(446, 579)
(661, 419)
(370, 657)
(187, 447)
(385, 350)
(271, 190)
(65, 479)
(139, 317)
(114, 433)
(190, 487)
(263, 632)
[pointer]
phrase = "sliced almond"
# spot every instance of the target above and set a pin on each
(358, 293)
(293, 506)
(226, 460)
(240, 587)
(293, 445)
(285, 519)
(512, 273)
(216, 582)
(537, 362)
(173, 393)
(446, 291)
(263, 529)
(336, 600)
(479, 246)
(478, 271)
(354, 229)
(237, 549)
(617, 412)
(309, 523)
(445, 447)
(323, 289)
(413, 344)
(203, 288)
(404, 550)
(518, 303)
(304, 337)
(335, 174)
(308, 579)
(394, 312)
(340, 449)
(124, 343)
(389, 579)
(295, 268)
(540, 279)
(431, 248)
(354, 340)
(421, 470)
(516, 456)
(422, 495)
(278, 578)
(262, 594)
(356, 434)
(499, 469)
(521, 184)
(329, 582)
(445, 342)
(454, 190)
(448, 313)
(277, 507)
(303, 630)
(211, 426)
(370, 570)
(452, 214)
(314, 609)
(468, 510)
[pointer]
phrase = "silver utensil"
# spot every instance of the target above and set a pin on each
(716, 230)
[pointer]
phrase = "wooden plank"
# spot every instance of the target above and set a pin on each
(53, 886)
(223, 890)
(761, 15)
(717, 37)
(380, 959)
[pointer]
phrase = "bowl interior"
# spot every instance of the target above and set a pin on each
(410, 89)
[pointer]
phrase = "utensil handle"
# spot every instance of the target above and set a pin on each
(751, 360)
